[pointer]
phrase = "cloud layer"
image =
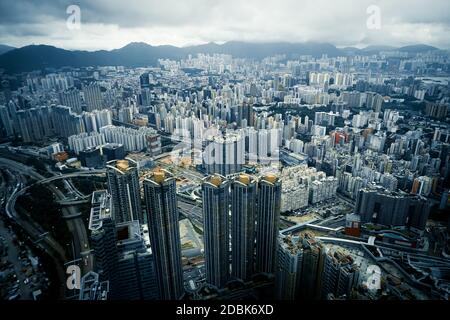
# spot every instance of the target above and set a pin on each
(112, 24)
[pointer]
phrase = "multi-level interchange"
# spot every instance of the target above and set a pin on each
(219, 177)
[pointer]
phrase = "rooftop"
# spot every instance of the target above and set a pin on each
(100, 209)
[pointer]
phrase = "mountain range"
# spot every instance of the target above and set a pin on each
(38, 57)
(4, 48)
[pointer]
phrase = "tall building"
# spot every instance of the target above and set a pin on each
(6, 123)
(72, 99)
(122, 253)
(289, 271)
(137, 278)
(267, 220)
(144, 80)
(82, 141)
(312, 268)
(436, 110)
(123, 185)
(299, 268)
(225, 154)
(245, 112)
(216, 200)
(97, 119)
(162, 217)
(340, 274)
(66, 122)
(34, 124)
(104, 237)
(93, 97)
(243, 211)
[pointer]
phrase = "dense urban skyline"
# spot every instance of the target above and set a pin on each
(276, 167)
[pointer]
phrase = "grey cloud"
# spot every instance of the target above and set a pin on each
(114, 23)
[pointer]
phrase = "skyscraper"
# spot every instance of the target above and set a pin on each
(216, 200)
(144, 80)
(267, 219)
(243, 210)
(123, 185)
(136, 265)
(122, 253)
(162, 217)
(103, 237)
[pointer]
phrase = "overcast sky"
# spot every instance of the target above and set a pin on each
(107, 24)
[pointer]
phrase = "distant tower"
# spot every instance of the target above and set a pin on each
(123, 185)
(216, 199)
(144, 80)
(267, 220)
(243, 210)
(162, 217)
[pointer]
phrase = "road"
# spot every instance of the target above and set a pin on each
(192, 211)
(74, 220)
(33, 229)
(75, 225)
(345, 199)
(72, 175)
(35, 233)
(78, 230)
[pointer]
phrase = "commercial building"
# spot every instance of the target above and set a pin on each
(113, 151)
(91, 158)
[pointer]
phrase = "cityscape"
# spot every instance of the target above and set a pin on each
(243, 169)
